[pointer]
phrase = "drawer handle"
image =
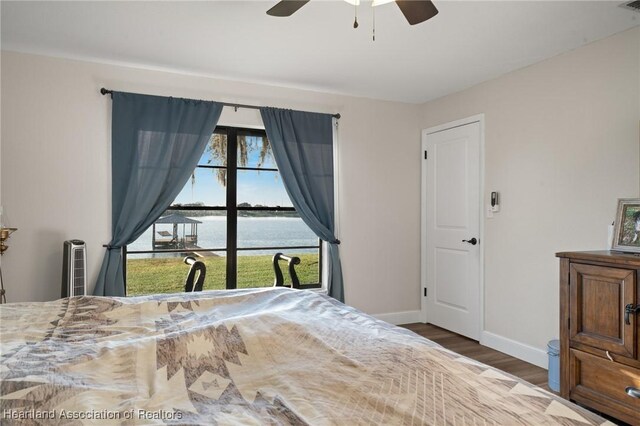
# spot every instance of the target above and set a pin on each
(633, 392)
(609, 356)
(628, 310)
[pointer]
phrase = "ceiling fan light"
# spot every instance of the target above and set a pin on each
(380, 2)
(353, 2)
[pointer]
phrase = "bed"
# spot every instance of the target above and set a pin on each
(260, 356)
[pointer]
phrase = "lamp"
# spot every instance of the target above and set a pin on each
(5, 233)
(374, 4)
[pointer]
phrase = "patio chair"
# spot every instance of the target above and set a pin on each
(198, 268)
(291, 262)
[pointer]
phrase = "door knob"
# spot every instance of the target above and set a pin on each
(472, 241)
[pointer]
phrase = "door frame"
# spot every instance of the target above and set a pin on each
(479, 118)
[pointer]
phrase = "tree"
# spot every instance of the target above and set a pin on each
(217, 147)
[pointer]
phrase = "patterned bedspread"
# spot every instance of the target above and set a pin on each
(249, 357)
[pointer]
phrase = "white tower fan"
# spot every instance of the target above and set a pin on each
(74, 269)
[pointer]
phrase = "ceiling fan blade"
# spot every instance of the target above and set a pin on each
(286, 7)
(417, 11)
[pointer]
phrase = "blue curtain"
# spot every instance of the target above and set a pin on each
(302, 144)
(156, 144)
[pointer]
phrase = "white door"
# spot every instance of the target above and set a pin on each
(451, 209)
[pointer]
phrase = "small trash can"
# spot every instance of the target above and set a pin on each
(553, 350)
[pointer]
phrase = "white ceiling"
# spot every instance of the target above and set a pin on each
(317, 48)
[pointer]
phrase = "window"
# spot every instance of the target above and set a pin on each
(234, 214)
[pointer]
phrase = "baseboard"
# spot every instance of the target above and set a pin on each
(516, 349)
(398, 318)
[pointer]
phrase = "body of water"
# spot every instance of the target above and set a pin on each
(252, 232)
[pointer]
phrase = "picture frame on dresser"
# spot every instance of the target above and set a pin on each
(626, 234)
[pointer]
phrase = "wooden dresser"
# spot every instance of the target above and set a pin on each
(599, 332)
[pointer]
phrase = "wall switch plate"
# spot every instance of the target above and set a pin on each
(489, 212)
(495, 202)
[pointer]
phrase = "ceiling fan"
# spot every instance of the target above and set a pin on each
(416, 11)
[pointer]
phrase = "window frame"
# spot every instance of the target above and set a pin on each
(232, 210)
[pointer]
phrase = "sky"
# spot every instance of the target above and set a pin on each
(264, 187)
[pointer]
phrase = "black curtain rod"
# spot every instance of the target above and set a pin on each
(236, 106)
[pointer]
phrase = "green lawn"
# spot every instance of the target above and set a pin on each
(167, 275)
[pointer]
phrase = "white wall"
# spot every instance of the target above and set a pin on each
(56, 172)
(562, 144)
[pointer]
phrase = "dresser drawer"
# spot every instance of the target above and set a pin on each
(602, 383)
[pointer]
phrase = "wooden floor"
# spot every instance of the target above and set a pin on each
(472, 349)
